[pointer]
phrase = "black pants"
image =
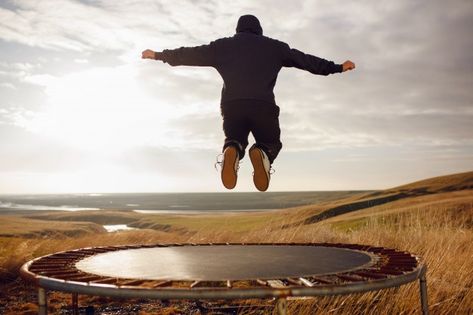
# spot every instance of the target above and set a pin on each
(258, 117)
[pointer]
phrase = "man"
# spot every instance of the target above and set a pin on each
(249, 64)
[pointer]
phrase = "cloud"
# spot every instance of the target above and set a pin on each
(77, 60)
(7, 85)
(411, 84)
(120, 26)
(16, 70)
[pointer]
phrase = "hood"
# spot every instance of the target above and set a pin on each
(249, 24)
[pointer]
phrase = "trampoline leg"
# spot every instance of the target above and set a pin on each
(281, 306)
(423, 292)
(75, 304)
(42, 302)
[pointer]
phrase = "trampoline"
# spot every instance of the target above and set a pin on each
(224, 271)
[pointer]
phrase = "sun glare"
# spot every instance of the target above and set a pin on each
(102, 109)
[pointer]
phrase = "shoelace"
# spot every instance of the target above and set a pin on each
(218, 162)
(271, 171)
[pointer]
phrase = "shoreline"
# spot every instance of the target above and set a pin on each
(202, 212)
(14, 211)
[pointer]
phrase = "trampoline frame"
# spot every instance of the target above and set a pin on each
(56, 272)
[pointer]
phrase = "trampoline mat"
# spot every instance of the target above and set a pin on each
(224, 262)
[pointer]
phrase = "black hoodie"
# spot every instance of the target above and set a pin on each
(248, 62)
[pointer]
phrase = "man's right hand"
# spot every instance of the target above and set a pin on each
(348, 65)
(148, 54)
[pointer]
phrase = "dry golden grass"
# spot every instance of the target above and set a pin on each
(438, 227)
(460, 181)
(99, 216)
(446, 248)
(448, 207)
(18, 226)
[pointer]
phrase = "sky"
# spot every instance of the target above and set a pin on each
(80, 111)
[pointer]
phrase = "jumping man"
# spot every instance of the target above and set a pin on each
(249, 64)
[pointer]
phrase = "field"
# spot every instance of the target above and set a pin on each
(431, 218)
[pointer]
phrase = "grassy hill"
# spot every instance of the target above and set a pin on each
(438, 190)
(14, 226)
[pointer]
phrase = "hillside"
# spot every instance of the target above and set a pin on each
(32, 228)
(454, 182)
(442, 187)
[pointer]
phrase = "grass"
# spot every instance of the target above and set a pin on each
(18, 226)
(232, 223)
(438, 226)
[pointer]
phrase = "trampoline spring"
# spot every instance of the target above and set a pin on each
(68, 276)
(195, 283)
(105, 280)
(136, 246)
(276, 284)
(66, 256)
(376, 249)
(112, 248)
(55, 259)
(294, 281)
(87, 278)
(402, 258)
(162, 284)
(402, 264)
(51, 271)
(261, 282)
(306, 282)
(389, 251)
(100, 250)
(320, 280)
(398, 254)
(60, 255)
(354, 246)
(144, 246)
(46, 267)
(60, 273)
(389, 271)
(131, 282)
(82, 252)
(161, 245)
(51, 263)
(371, 275)
(229, 284)
(349, 278)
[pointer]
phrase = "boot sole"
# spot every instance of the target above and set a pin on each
(229, 175)
(260, 177)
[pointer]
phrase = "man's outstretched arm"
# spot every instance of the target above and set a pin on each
(313, 64)
(185, 56)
